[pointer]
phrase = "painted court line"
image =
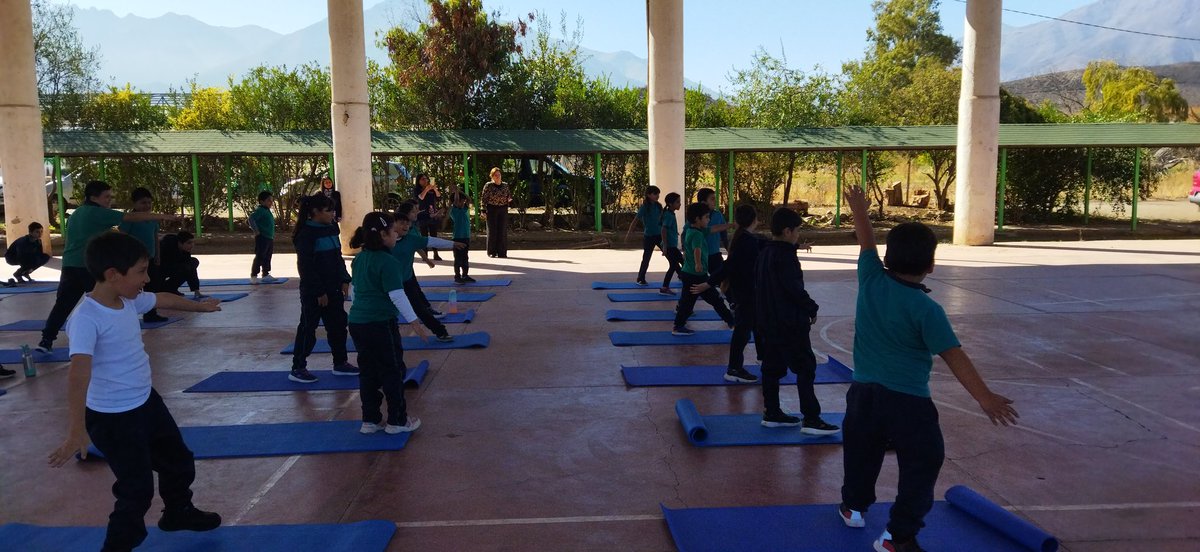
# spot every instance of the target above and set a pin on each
(825, 336)
(527, 521)
(1018, 426)
(1095, 507)
(1179, 423)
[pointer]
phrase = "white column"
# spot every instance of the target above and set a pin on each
(978, 126)
(350, 113)
(664, 105)
(20, 124)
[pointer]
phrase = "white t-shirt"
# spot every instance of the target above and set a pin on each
(113, 338)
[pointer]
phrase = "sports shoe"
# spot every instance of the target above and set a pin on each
(345, 369)
(779, 419)
(885, 544)
(740, 375)
(852, 518)
(5, 373)
(641, 283)
(447, 338)
(665, 291)
(683, 331)
(198, 296)
(459, 281)
(268, 279)
(410, 424)
(12, 282)
(437, 314)
(44, 346)
(189, 519)
(26, 277)
(302, 376)
(151, 318)
(254, 280)
(369, 428)
(818, 427)
(468, 279)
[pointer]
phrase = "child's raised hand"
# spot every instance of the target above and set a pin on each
(999, 409)
(856, 198)
(460, 245)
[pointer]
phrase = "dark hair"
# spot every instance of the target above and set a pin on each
(404, 209)
(703, 193)
(784, 218)
(140, 194)
(184, 237)
(910, 248)
(459, 194)
(308, 204)
(264, 195)
(744, 215)
(113, 250)
(95, 188)
(650, 190)
(671, 198)
(370, 235)
(695, 211)
(35, 225)
(417, 179)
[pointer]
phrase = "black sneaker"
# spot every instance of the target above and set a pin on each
(445, 338)
(11, 283)
(641, 283)
(5, 373)
(665, 291)
(345, 369)
(189, 519)
(459, 281)
(468, 279)
(818, 427)
(44, 346)
(683, 331)
(740, 375)
(437, 314)
(885, 543)
(302, 376)
(779, 419)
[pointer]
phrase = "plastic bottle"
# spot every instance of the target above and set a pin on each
(453, 301)
(27, 362)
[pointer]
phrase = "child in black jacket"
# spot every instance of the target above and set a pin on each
(738, 272)
(26, 254)
(324, 283)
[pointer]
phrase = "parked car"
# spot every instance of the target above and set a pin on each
(68, 183)
(536, 169)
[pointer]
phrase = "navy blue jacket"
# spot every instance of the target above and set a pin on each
(319, 260)
(783, 307)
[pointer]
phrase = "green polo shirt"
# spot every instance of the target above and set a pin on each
(87, 222)
(264, 221)
(671, 225)
(145, 232)
(376, 273)
(694, 239)
(651, 216)
(462, 222)
(405, 248)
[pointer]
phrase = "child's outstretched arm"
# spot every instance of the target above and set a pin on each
(997, 407)
(78, 378)
(170, 301)
(857, 199)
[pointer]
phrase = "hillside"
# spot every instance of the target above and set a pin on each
(1065, 88)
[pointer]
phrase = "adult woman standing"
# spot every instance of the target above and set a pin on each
(429, 217)
(496, 196)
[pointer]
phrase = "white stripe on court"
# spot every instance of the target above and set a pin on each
(528, 521)
(1179, 423)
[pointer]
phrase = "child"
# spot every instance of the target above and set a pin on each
(178, 265)
(897, 329)
(410, 243)
(738, 271)
(784, 315)
(146, 232)
(26, 254)
(112, 403)
(378, 299)
(460, 215)
(91, 219)
(324, 283)
(262, 222)
(651, 214)
(670, 240)
(716, 227)
(429, 216)
(695, 271)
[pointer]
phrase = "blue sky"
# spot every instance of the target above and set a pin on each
(719, 35)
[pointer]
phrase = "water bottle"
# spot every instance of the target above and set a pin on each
(453, 301)
(27, 362)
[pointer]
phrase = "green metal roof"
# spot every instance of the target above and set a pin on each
(586, 141)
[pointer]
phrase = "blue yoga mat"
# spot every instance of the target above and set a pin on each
(13, 356)
(478, 283)
(37, 325)
(464, 297)
(3, 392)
(631, 285)
(236, 282)
(703, 337)
(964, 521)
(255, 440)
(237, 382)
(465, 317)
(17, 290)
(412, 343)
(227, 297)
(746, 429)
(615, 315)
(363, 536)
(640, 297)
(830, 371)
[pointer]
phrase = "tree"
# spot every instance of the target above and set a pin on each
(1114, 93)
(204, 108)
(66, 69)
(121, 109)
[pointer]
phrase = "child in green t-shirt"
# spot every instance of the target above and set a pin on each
(695, 271)
(460, 215)
(262, 222)
(670, 241)
(146, 232)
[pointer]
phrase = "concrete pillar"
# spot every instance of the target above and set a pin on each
(664, 105)
(978, 126)
(20, 125)
(350, 113)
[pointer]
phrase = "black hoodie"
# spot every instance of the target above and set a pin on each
(783, 307)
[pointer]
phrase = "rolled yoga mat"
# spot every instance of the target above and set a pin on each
(13, 356)
(463, 297)
(830, 371)
(631, 285)
(701, 337)
(615, 315)
(256, 440)
(746, 429)
(37, 325)
(362, 536)
(478, 283)
(411, 343)
(964, 521)
(243, 382)
(236, 282)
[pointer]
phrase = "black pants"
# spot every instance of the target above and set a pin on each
(421, 305)
(174, 275)
(743, 328)
(334, 316)
(136, 444)
(795, 354)
(29, 263)
(263, 249)
(460, 258)
(428, 227)
(497, 229)
(687, 300)
(715, 262)
(675, 262)
(382, 369)
(74, 282)
(648, 245)
(875, 414)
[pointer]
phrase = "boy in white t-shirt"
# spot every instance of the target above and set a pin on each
(111, 401)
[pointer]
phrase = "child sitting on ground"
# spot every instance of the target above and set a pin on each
(178, 266)
(110, 399)
(897, 330)
(26, 254)
(695, 271)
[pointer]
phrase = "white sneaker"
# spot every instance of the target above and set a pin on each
(254, 280)
(369, 428)
(198, 296)
(410, 425)
(268, 279)
(852, 518)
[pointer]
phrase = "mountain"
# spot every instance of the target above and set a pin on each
(1065, 88)
(1053, 46)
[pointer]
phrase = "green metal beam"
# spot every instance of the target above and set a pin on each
(331, 168)
(1087, 187)
(1000, 189)
(597, 205)
(196, 194)
(103, 170)
(62, 202)
(1137, 180)
(837, 209)
(731, 185)
(228, 177)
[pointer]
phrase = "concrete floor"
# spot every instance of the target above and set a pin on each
(535, 443)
